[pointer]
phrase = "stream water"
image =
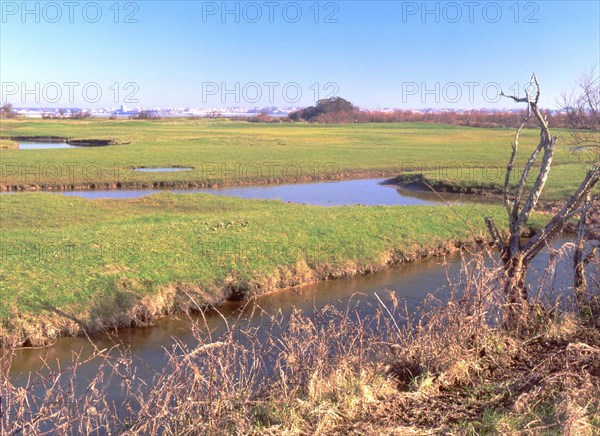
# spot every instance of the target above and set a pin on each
(43, 145)
(367, 192)
(410, 283)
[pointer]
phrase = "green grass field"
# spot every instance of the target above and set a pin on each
(225, 152)
(68, 261)
(94, 260)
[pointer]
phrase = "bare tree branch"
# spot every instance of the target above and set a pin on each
(489, 221)
(558, 222)
(508, 204)
(519, 206)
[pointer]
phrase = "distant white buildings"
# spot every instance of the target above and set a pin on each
(274, 111)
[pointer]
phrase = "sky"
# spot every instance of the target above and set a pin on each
(399, 54)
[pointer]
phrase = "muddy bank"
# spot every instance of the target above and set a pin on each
(418, 182)
(91, 142)
(44, 138)
(71, 141)
(126, 309)
(187, 184)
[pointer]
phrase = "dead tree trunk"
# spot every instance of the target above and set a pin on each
(580, 258)
(520, 203)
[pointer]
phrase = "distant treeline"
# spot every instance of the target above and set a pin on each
(475, 118)
(340, 111)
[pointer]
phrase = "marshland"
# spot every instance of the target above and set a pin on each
(230, 272)
(299, 218)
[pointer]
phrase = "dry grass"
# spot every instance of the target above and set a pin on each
(7, 144)
(449, 369)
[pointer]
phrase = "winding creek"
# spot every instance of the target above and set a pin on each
(410, 283)
(366, 192)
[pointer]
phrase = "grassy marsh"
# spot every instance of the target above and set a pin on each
(225, 152)
(70, 262)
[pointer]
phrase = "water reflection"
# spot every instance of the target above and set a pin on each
(410, 283)
(367, 192)
(43, 145)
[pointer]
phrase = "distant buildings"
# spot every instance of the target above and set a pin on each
(275, 111)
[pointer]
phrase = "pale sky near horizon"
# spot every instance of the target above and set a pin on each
(284, 53)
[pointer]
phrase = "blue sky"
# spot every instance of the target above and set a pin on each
(216, 54)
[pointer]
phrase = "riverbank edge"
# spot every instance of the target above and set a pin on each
(411, 181)
(80, 142)
(420, 183)
(7, 144)
(190, 184)
(24, 330)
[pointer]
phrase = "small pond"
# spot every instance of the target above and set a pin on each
(43, 145)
